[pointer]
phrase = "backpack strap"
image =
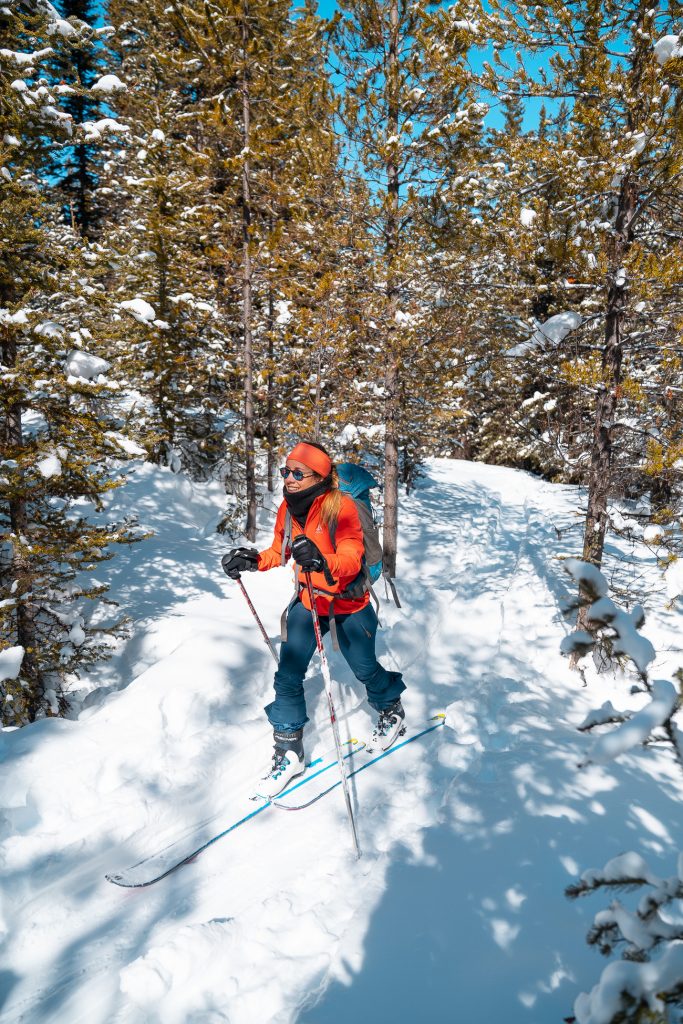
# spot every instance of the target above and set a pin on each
(286, 537)
(317, 592)
(351, 592)
(287, 543)
(388, 582)
(285, 614)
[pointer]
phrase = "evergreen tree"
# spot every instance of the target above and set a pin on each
(161, 255)
(59, 423)
(267, 133)
(77, 162)
(404, 108)
(618, 171)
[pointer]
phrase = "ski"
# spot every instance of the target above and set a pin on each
(186, 847)
(280, 800)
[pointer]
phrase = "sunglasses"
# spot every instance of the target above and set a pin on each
(285, 471)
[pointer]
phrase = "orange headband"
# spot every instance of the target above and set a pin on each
(311, 457)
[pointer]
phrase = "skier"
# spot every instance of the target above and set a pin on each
(327, 542)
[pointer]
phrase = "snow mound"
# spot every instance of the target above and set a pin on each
(83, 364)
(10, 662)
(667, 48)
(109, 84)
(140, 310)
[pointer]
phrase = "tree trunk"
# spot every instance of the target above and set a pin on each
(600, 474)
(250, 461)
(270, 396)
(26, 634)
(392, 380)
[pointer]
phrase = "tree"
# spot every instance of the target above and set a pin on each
(648, 978)
(77, 162)
(406, 104)
(162, 256)
(621, 141)
(60, 427)
(266, 129)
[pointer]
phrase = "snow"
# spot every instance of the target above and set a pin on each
(627, 865)
(587, 575)
(109, 84)
(10, 662)
(552, 333)
(131, 447)
(25, 60)
(49, 466)
(667, 48)
(674, 579)
(527, 216)
(61, 27)
(638, 728)
(601, 1006)
(468, 839)
(284, 312)
(94, 130)
(83, 365)
(141, 310)
(626, 624)
(17, 319)
(49, 329)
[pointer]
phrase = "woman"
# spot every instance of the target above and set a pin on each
(315, 504)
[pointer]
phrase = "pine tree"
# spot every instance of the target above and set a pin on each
(77, 162)
(618, 168)
(59, 423)
(405, 107)
(267, 129)
(160, 257)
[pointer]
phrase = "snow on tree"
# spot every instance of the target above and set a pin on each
(406, 105)
(649, 977)
(60, 419)
(617, 161)
(77, 162)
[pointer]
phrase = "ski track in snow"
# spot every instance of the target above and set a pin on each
(456, 911)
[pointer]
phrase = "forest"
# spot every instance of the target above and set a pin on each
(413, 230)
(445, 240)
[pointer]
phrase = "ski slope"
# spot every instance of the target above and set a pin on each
(455, 914)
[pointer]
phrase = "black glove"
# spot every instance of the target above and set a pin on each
(239, 560)
(307, 555)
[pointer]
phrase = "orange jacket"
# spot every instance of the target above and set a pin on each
(344, 563)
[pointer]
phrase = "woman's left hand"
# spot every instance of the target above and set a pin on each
(307, 555)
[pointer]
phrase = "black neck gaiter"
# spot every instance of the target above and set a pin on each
(299, 503)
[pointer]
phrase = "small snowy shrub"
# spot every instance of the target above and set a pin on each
(647, 983)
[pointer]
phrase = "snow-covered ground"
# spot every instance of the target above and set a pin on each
(456, 911)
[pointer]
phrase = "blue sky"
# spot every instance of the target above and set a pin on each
(326, 9)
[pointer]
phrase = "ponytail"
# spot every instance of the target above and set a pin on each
(332, 503)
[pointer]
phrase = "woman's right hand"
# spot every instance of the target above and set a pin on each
(239, 560)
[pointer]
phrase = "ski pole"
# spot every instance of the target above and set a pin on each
(260, 624)
(333, 716)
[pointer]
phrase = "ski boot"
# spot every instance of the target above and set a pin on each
(390, 725)
(288, 762)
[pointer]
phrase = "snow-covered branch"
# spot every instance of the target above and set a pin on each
(639, 981)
